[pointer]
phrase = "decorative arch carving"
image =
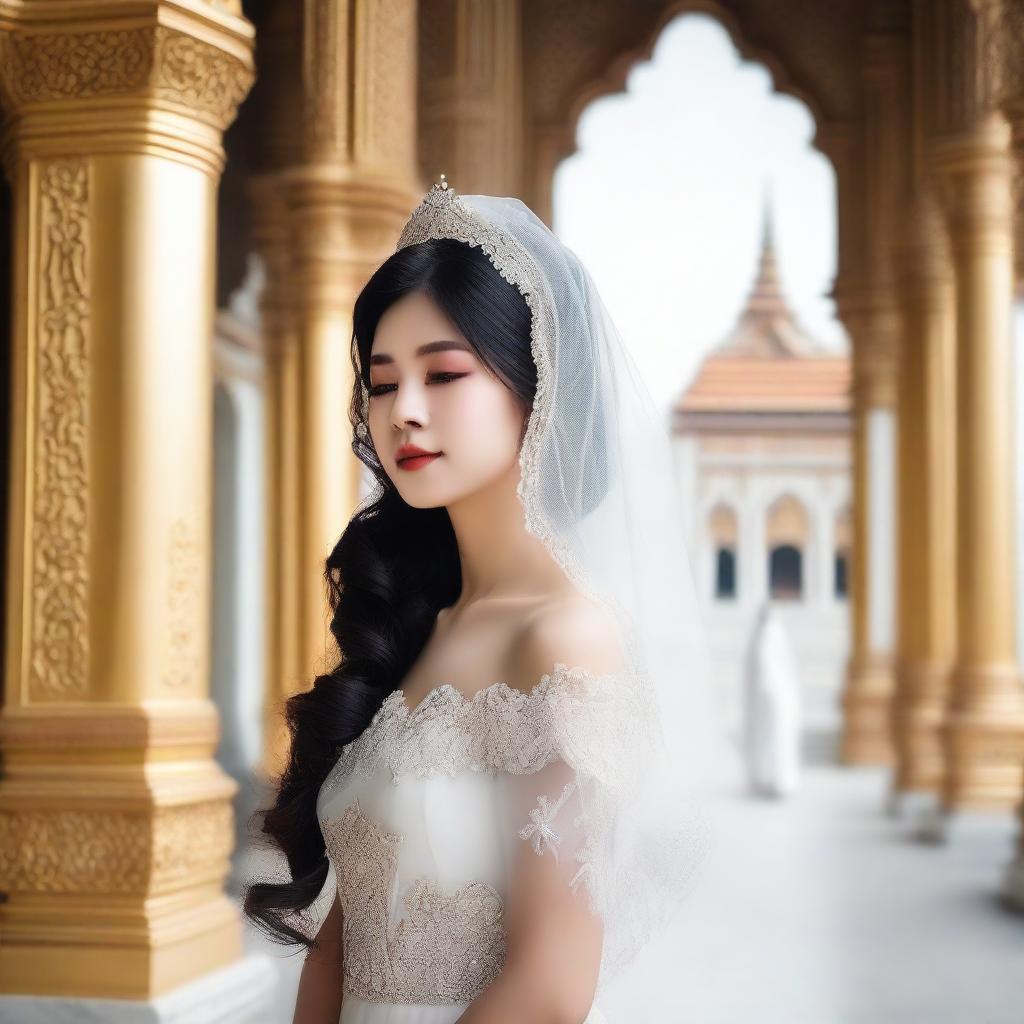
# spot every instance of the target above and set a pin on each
(843, 532)
(787, 522)
(576, 53)
(787, 529)
(724, 534)
(723, 525)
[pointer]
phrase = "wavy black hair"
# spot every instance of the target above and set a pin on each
(393, 568)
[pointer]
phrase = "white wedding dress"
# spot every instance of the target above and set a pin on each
(423, 816)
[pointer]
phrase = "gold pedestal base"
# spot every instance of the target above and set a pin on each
(918, 713)
(983, 739)
(867, 700)
(116, 829)
(97, 950)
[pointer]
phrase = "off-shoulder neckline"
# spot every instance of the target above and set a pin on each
(388, 737)
(400, 697)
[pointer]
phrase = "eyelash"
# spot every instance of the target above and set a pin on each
(442, 378)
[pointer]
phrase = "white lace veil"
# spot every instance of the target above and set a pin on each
(599, 489)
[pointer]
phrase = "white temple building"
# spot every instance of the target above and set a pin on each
(762, 445)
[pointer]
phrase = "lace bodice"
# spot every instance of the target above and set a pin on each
(424, 814)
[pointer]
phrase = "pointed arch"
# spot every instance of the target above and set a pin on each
(843, 534)
(724, 532)
(787, 531)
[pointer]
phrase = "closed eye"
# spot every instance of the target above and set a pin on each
(434, 378)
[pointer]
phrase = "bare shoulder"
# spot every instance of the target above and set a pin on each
(568, 628)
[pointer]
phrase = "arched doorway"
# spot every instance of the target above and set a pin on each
(786, 535)
(723, 533)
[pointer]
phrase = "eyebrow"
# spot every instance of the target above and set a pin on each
(431, 346)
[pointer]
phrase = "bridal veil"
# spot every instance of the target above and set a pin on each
(631, 758)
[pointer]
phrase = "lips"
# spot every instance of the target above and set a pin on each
(411, 456)
(406, 451)
(418, 461)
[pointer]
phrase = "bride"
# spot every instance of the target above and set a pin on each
(502, 769)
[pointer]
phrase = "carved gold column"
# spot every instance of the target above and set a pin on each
(115, 820)
(866, 162)
(471, 95)
(1013, 887)
(926, 549)
(1002, 24)
(867, 694)
(283, 485)
(342, 209)
(278, 93)
(985, 725)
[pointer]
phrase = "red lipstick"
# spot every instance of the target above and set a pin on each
(410, 456)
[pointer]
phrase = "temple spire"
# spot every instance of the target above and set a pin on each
(767, 231)
(767, 325)
(766, 297)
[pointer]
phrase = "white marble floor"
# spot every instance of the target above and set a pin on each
(820, 910)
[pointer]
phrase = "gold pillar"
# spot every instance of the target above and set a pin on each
(1001, 31)
(1013, 887)
(985, 721)
(867, 694)
(926, 529)
(471, 95)
(870, 162)
(115, 821)
(336, 216)
(278, 93)
(283, 577)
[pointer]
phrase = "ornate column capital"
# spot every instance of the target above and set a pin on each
(341, 225)
(921, 246)
(869, 314)
(974, 172)
(168, 80)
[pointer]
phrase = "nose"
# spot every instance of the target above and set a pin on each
(408, 408)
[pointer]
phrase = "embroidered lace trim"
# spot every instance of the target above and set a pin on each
(446, 949)
(498, 729)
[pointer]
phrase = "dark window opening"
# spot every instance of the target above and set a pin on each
(725, 573)
(785, 573)
(839, 588)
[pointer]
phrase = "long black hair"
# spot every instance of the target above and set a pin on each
(391, 571)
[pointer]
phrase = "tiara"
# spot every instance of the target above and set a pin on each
(437, 215)
(440, 195)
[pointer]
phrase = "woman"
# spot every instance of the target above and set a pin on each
(772, 708)
(485, 768)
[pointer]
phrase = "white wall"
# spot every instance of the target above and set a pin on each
(819, 623)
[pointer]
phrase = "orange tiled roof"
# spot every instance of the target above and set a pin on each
(752, 384)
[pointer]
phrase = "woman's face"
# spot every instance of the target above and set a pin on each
(441, 399)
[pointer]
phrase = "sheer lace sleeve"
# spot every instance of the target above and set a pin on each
(543, 817)
(560, 821)
(592, 823)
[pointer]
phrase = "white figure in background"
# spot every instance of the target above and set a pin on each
(772, 708)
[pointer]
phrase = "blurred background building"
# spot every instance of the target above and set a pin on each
(193, 193)
(763, 451)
